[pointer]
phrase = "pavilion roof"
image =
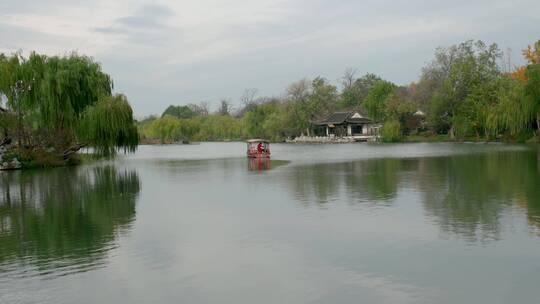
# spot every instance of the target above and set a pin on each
(337, 118)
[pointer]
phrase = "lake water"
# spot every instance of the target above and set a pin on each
(354, 223)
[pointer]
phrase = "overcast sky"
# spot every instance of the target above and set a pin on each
(177, 52)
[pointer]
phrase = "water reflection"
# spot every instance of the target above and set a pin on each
(258, 164)
(468, 196)
(66, 218)
(392, 230)
(375, 181)
(465, 195)
(264, 164)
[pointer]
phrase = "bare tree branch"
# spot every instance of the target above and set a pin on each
(348, 78)
(299, 91)
(249, 96)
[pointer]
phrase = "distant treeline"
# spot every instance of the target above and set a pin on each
(468, 91)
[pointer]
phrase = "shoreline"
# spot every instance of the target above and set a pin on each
(83, 158)
(326, 141)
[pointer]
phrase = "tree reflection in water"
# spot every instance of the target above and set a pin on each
(374, 181)
(477, 189)
(65, 218)
(466, 195)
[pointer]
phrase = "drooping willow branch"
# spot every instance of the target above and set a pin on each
(108, 125)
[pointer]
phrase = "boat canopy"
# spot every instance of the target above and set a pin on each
(251, 141)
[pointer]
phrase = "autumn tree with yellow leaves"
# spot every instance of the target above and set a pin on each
(532, 55)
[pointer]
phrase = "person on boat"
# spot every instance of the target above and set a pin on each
(260, 148)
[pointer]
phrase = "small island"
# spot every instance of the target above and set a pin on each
(55, 106)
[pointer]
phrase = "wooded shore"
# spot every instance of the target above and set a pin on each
(465, 93)
(51, 107)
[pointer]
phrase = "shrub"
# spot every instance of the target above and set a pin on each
(391, 131)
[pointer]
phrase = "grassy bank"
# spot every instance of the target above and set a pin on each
(447, 138)
(35, 159)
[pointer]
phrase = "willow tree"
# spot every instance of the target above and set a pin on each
(108, 125)
(65, 103)
(510, 112)
(532, 91)
(518, 106)
(375, 102)
(69, 85)
(16, 86)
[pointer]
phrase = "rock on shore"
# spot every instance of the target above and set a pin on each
(6, 164)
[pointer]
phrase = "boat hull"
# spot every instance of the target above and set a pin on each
(258, 155)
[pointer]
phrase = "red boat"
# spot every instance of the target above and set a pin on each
(258, 148)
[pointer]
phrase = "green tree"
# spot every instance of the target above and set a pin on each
(298, 94)
(224, 108)
(375, 102)
(182, 112)
(517, 109)
(355, 93)
(254, 120)
(218, 127)
(508, 113)
(166, 129)
(275, 127)
(461, 71)
(49, 97)
(309, 101)
(108, 125)
(391, 131)
(532, 91)
(323, 98)
(399, 106)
